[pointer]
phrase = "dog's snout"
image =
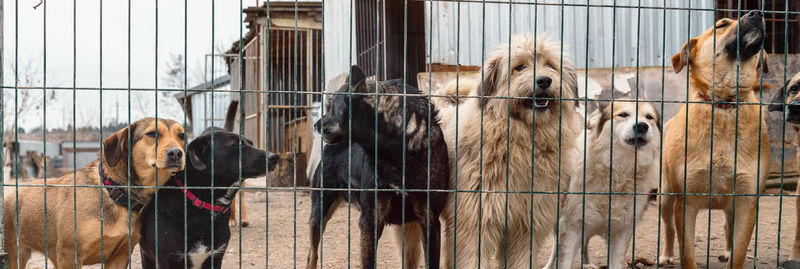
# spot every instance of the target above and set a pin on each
(755, 14)
(641, 128)
(174, 153)
(544, 82)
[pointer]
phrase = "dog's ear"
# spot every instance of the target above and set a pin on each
(491, 73)
(763, 63)
(684, 57)
(195, 151)
(357, 79)
(598, 117)
(115, 147)
(777, 102)
(658, 121)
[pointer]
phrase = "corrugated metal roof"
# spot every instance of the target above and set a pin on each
(588, 36)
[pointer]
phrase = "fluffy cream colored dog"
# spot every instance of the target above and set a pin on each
(623, 146)
(507, 141)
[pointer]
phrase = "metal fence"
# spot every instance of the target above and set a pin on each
(526, 157)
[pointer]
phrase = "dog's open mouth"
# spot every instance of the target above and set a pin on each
(637, 142)
(540, 102)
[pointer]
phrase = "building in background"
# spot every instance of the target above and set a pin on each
(206, 104)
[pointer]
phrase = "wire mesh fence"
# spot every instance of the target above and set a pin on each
(400, 134)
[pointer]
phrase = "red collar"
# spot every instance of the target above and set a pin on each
(727, 105)
(200, 203)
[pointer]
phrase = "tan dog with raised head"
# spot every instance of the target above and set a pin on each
(74, 236)
(496, 155)
(733, 68)
(791, 96)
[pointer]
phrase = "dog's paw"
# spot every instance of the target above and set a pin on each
(232, 223)
(591, 266)
(724, 257)
(664, 260)
(245, 223)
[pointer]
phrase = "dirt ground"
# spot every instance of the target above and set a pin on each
(287, 232)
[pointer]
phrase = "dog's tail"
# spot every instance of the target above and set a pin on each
(230, 118)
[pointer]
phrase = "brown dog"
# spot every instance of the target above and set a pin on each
(95, 226)
(791, 95)
(730, 54)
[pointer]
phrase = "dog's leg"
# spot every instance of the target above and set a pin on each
(433, 233)
(728, 237)
(620, 240)
(448, 232)
(685, 224)
(370, 231)
(120, 259)
(744, 222)
(320, 215)
(553, 252)
(232, 219)
(243, 216)
(409, 246)
(668, 218)
(796, 249)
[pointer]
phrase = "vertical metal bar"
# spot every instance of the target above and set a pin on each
(129, 159)
(3, 254)
(242, 107)
(611, 126)
(74, 134)
(267, 116)
(295, 121)
(661, 134)
(44, 132)
(583, 243)
(44, 122)
(783, 130)
(186, 101)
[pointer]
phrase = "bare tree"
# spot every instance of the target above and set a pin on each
(26, 100)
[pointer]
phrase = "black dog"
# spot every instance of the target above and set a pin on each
(173, 251)
(352, 165)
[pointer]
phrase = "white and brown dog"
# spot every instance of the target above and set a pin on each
(622, 152)
(520, 100)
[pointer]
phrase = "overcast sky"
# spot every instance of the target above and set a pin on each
(30, 27)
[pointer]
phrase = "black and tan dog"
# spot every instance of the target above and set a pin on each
(725, 63)
(370, 163)
(198, 208)
(790, 94)
(74, 237)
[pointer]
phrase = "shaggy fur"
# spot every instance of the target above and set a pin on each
(738, 130)
(791, 97)
(402, 122)
(491, 143)
(636, 134)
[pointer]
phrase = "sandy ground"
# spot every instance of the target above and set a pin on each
(286, 214)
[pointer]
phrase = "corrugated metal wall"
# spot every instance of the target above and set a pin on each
(442, 19)
(202, 114)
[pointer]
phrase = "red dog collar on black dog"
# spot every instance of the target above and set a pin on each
(200, 203)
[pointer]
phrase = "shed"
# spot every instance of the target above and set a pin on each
(80, 154)
(207, 104)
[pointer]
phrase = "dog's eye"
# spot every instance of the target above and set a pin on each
(519, 68)
(181, 136)
(623, 114)
(549, 65)
(795, 89)
(723, 24)
(649, 117)
(151, 134)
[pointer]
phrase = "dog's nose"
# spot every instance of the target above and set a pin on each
(641, 128)
(543, 82)
(755, 13)
(174, 153)
(272, 160)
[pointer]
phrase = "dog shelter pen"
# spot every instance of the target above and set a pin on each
(378, 38)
